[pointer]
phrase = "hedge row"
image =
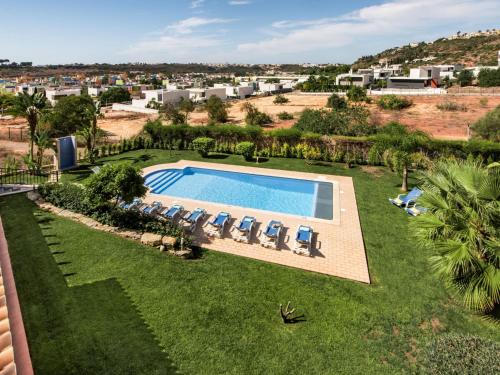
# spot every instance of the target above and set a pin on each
(287, 143)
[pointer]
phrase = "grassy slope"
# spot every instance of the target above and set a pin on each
(103, 301)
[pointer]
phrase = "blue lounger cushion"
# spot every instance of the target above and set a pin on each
(304, 234)
(221, 219)
(172, 211)
(246, 223)
(195, 215)
(273, 228)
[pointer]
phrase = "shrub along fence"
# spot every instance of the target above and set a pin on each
(287, 143)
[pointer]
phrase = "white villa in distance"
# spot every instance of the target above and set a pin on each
(54, 94)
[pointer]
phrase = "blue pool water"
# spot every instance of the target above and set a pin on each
(286, 195)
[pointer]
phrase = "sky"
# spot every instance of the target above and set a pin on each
(228, 31)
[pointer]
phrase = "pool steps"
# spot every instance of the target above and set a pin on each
(163, 181)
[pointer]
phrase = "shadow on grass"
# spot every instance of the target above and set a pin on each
(217, 156)
(88, 329)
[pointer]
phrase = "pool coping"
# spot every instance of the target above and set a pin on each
(338, 245)
(182, 164)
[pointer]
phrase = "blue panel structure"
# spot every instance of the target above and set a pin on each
(66, 150)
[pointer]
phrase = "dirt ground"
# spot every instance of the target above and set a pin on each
(423, 115)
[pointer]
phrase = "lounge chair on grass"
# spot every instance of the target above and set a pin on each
(270, 238)
(303, 240)
(152, 208)
(136, 203)
(402, 200)
(216, 227)
(415, 210)
(172, 213)
(244, 229)
(191, 220)
(95, 169)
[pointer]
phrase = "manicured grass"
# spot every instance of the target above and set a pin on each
(94, 303)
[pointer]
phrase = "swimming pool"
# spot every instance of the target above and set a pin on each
(286, 195)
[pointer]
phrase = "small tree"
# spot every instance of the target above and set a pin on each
(488, 127)
(461, 229)
(402, 144)
(217, 111)
(254, 116)
(281, 99)
(465, 78)
(186, 106)
(336, 102)
(285, 116)
(172, 113)
(115, 181)
(246, 149)
(356, 94)
(90, 131)
(203, 145)
(115, 95)
(30, 107)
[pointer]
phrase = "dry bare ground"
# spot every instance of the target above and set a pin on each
(423, 115)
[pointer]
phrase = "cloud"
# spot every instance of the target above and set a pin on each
(196, 4)
(188, 25)
(239, 2)
(182, 39)
(411, 19)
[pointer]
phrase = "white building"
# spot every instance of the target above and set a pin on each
(200, 95)
(96, 91)
(53, 95)
(363, 78)
(239, 92)
(161, 97)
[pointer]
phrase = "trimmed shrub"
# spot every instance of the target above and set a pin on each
(459, 354)
(203, 145)
(393, 102)
(246, 149)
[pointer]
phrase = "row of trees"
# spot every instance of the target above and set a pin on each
(71, 115)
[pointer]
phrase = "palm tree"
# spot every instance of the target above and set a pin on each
(90, 132)
(42, 142)
(402, 144)
(29, 107)
(462, 229)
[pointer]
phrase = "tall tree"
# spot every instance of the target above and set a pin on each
(462, 229)
(217, 111)
(70, 115)
(90, 132)
(186, 106)
(30, 107)
(403, 144)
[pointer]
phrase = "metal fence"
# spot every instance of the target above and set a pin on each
(28, 177)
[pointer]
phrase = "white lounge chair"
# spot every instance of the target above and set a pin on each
(244, 229)
(271, 236)
(216, 227)
(191, 220)
(303, 240)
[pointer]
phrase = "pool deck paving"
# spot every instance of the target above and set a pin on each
(338, 247)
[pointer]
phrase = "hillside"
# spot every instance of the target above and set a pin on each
(478, 50)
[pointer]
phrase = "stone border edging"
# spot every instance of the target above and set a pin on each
(22, 357)
(149, 239)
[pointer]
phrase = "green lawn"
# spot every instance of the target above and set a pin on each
(94, 303)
